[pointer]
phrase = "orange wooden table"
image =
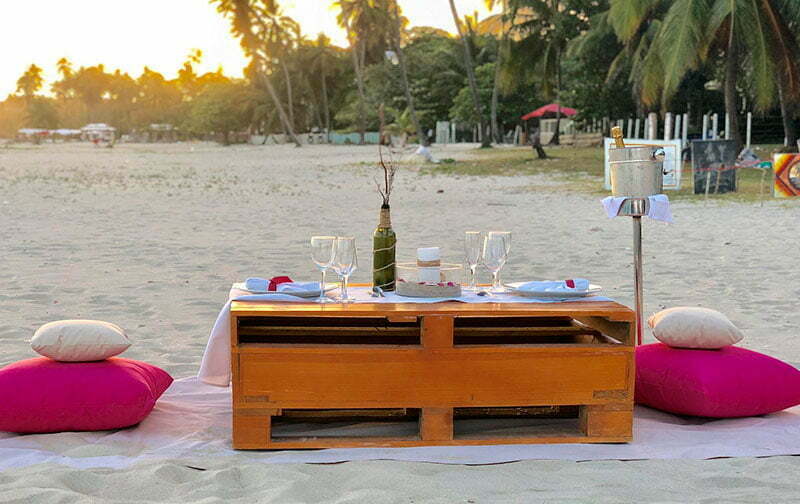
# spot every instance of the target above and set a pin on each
(549, 373)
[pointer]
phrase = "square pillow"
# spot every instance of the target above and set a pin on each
(79, 340)
(726, 383)
(694, 327)
(41, 395)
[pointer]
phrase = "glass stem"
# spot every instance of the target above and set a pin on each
(322, 287)
(345, 280)
(496, 280)
(473, 280)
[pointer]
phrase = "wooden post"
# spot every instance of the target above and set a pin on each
(630, 128)
(749, 128)
(636, 128)
(606, 420)
(677, 134)
(668, 126)
(708, 183)
(437, 331)
(436, 424)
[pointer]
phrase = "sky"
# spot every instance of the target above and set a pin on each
(157, 33)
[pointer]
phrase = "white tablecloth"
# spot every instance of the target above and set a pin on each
(215, 369)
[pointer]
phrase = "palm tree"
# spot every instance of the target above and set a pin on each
(397, 42)
(543, 29)
(30, 82)
(249, 22)
(486, 140)
(319, 63)
(751, 35)
(351, 12)
(503, 40)
(282, 35)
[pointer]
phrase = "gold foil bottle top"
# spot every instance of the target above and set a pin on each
(616, 134)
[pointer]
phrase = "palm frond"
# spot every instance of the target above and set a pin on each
(680, 42)
(627, 16)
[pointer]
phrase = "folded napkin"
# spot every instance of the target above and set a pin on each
(298, 286)
(255, 284)
(572, 285)
(659, 207)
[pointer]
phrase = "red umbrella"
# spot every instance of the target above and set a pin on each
(549, 110)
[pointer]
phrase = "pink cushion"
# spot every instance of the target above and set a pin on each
(42, 395)
(724, 383)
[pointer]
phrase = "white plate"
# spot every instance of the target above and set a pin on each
(298, 293)
(593, 289)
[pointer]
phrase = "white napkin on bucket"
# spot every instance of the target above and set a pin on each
(572, 285)
(659, 207)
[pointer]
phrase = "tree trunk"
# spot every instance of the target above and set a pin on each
(241, 10)
(536, 143)
(486, 141)
(362, 113)
(787, 114)
(556, 139)
(422, 138)
(289, 98)
(496, 133)
(287, 126)
(325, 107)
(495, 92)
(731, 71)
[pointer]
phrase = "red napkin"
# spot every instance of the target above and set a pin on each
(276, 281)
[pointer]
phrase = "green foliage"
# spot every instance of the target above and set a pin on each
(41, 113)
(30, 82)
(221, 108)
(510, 108)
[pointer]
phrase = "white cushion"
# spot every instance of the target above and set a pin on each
(691, 327)
(79, 340)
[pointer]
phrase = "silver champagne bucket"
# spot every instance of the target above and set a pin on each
(636, 172)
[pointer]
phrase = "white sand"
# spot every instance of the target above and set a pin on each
(151, 237)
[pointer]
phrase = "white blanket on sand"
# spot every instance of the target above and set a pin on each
(192, 423)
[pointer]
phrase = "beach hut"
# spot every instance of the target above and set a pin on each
(98, 133)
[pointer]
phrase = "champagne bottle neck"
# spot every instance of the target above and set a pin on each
(386, 219)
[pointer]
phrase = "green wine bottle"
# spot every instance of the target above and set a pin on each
(383, 252)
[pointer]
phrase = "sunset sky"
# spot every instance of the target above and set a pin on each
(157, 33)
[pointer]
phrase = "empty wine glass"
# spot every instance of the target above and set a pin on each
(345, 262)
(322, 251)
(472, 256)
(496, 246)
(507, 238)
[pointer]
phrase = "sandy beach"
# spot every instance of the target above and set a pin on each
(151, 237)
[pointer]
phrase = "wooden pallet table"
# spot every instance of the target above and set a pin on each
(431, 374)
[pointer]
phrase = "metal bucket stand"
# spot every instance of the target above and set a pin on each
(636, 208)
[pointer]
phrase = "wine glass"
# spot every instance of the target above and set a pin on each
(496, 246)
(472, 256)
(345, 262)
(322, 249)
(507, 237)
